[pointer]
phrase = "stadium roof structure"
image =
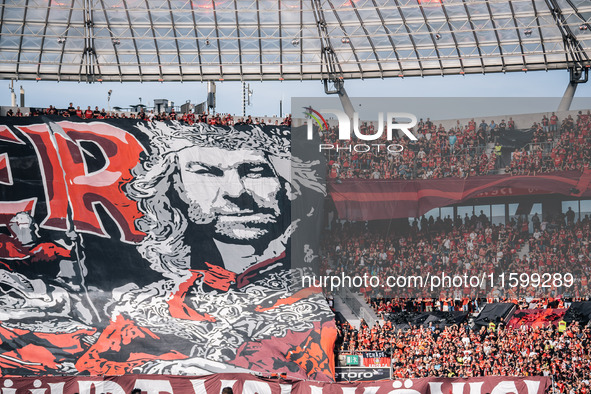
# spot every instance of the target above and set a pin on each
(199, 40)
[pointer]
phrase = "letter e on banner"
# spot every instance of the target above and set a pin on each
(68, 180)
(10, 208)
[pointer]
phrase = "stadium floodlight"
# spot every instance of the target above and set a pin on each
(207, 42)
(583, 27)
(295, 42)
(345, 40)
(527, 32)
(116, 41)
(438, 36)
(61, 40)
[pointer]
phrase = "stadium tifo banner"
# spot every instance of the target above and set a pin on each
(437, 319)
(154, 248)
(578, 312)
(376, 359)
(514, 139)
(536, 317)
(248, 384)
(494, 313)
(486, 385)
(363, 199)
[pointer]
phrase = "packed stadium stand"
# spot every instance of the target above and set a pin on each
(188, 118)
(466, 149)
(458, 350)
(443, 336)
(466, 246)
(452, 334)
(446, 335)
(165, 251)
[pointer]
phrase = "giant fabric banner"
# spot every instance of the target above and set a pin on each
(155, 248)
(483, 385)
(536, 317)
(578, 312)
(494, 313)
(248, 384)
(437, 319)
(514, 139)
(370, 199)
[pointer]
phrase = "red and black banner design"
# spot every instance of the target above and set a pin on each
(376, 359)
(536, 317)
(153, 248)
(249, 384)
(363, 199)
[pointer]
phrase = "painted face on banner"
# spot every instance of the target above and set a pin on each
(235, 190)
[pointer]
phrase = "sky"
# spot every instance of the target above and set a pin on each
(268, 94)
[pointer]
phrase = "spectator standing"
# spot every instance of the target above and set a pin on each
(570, 217)
(71, 110)
(545, 124)
(536, 222)
(492, 129)
(483, 126)
(511, 124)
(498, 155)
(452, 141)
(554, 123)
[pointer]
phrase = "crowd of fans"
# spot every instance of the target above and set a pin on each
(386, 306)
(555, 149)
(467, 246)
(464, 150)
(458, 351)
(457, 246)
(460, 151)
(185, 117)
(470, 245)
(437, 153)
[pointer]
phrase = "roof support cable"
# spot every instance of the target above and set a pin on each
(576, 57)
(333, 76)
(89, 65)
